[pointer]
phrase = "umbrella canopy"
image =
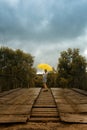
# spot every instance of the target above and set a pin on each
(44, 66)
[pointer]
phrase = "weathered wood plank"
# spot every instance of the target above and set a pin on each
(66, 108)
(44, 106)
(80, 91)
(61, 101)
(44, 119)
(44, 109)
(8, 92)
(13, 118)
(15, 109)
(72, 105)
(16, 106)
(82, 108)
(74, 118)
(46, 114)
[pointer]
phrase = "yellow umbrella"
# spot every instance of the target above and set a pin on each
(44, 66)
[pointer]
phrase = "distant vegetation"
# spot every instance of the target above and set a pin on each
(16, 70)
(71, 70)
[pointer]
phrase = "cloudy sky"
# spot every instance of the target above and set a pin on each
(44, 28)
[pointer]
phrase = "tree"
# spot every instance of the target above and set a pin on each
(72, 67)
(51, 79)
(16, 68)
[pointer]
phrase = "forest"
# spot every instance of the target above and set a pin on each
(17, 70)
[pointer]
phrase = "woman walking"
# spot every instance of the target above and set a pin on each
(45, 80)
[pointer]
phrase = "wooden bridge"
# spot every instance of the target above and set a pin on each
(34, 105)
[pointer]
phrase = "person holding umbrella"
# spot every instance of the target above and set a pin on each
(45, 80)
(46, 68)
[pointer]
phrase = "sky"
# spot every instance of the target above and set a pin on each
(44, 28)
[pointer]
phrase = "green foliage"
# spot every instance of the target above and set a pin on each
(38, 80)
(63, 82)
(71, 68)
(51, 79)
(17, 67)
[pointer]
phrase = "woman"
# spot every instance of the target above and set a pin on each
(45, 80)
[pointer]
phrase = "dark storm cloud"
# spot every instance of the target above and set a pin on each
(44, 28)
(43, 20)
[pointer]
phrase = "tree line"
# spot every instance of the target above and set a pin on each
(16, 70)
(72, 69)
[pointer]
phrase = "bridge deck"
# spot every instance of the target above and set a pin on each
(16, 106)
(34, 105)
(72, 105)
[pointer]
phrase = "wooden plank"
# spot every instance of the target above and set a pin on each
(45, 101)
(10, 97)
(19, 96)
(84, 92)
(78, 101)
(22, 100)
(82, 101)
(8, 92)
(66, 108)
(16, 106)
(45, 114)
(13, 118)
(44, 109)
(61, 101)
(82, 108)
(44, 106)
(44, 119)
(15, 109)
(74, 118)
(72, 106)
